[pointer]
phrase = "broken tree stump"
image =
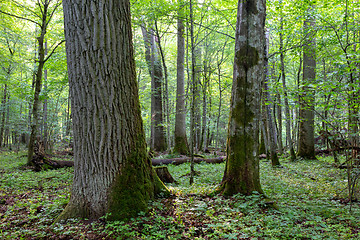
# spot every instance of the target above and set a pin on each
(164, 174)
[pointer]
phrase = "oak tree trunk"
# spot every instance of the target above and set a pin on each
(112, 173)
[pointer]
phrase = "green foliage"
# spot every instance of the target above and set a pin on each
(18, 53)
(309, 195)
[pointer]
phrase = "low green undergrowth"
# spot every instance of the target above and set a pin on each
(311, 196)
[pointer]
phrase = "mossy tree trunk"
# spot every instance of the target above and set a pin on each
(242, 166)
(181, 144)
(306, 140)
(112, 172)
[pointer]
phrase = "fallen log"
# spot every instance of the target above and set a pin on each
(40, 162)
(178, 161)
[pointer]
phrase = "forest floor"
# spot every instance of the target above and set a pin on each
(311, 196)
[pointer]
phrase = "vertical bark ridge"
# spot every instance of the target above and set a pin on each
(110, 150)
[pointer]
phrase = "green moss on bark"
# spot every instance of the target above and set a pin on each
(181, 146)
(251, 7)
(134, 186)
(242, 171)
(75, 210)
(247, 56)
(130, 192)
(241, 174)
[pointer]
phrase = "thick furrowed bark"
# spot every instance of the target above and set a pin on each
(112, 173)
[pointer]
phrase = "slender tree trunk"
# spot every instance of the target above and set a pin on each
(158, 138)
(45, 109)
(203, 140)
(354, 92)
(7, 138)
(181, 144)
(264, 129)
(263, 140)
(112, 173)
(193, 91)
(165, 87)
(278, 110)
(295, 112)
(219, 107)
(196, 91)
(209, 132)
(306, 142)
(38, 82)
(3, 111)
(286, 101)
(269, 103)
(6, 96)
(242, 167)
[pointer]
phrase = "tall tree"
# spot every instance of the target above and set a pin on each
(242, 166)
(158, 138)
(283, 79)
(268, 104)
(3, 111)
(181, 144)
(112, 172)
(193, 93)
(306, 140)
(196, 56)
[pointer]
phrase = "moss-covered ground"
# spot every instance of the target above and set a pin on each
(311, 196)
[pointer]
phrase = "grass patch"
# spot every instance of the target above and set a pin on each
(309, 195)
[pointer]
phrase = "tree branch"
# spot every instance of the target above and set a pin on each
(26, 8)
(23, 18)
(52, 52)
(212, 29)
(53, 12)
